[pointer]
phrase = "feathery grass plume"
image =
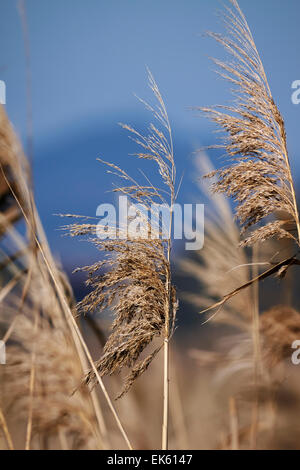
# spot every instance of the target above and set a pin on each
(258, 176)
(221, 265)
(134, 279)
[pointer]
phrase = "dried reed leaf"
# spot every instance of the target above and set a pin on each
(279, 268)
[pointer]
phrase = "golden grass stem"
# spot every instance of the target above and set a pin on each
(257, 364)
(6, 432)
(10, 330)
(10, 285)
(165, 425)
(31, 391)
(234, 424)
(254, 423)
(63, 440)
(176, 408)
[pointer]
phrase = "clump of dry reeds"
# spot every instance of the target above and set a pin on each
(258, 178)
(39, 381)
(44, 403)
(134, 279)
(46, 354)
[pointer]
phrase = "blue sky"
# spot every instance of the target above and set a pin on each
(88, 57)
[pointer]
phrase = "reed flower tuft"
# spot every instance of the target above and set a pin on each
(134, 278)
(258, 176)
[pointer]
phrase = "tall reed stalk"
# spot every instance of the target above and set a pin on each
(134, 279)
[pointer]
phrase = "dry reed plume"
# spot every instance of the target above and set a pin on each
(259, 178)
(134, 279)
